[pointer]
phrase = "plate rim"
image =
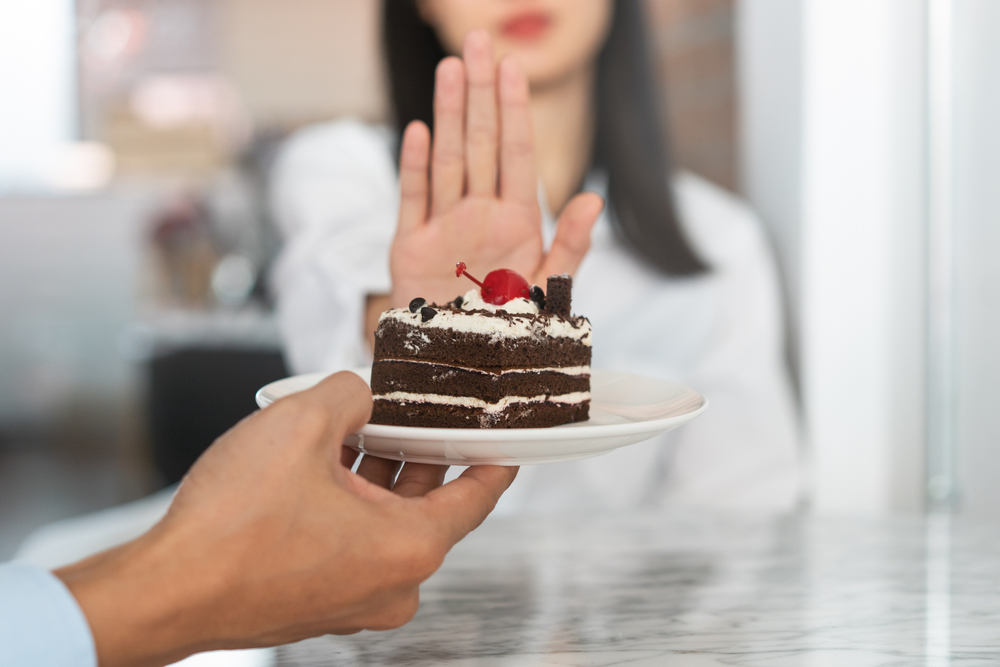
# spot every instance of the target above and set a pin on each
(581, 430)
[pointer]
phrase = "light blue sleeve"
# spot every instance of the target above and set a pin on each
(41, 625)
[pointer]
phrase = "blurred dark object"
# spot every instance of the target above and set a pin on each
(196, 395)
(182, 240)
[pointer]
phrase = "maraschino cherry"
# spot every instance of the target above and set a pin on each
(499, 286)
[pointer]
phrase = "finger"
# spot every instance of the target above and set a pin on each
(417, 479)
(481, 114)
(378, 471)
(448, 165)
(413, 162)
(461, 505)
(572, 239)
(517, 155)
(393, 613)
(342, 401)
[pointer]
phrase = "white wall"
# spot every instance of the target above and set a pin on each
(976, 191)
(769, 76)
(68, 278)
(833, 142)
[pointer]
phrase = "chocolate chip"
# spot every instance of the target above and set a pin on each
(457, 303)
(417, 304)
(427, 313)
(538, 296)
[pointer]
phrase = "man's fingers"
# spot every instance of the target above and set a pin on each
(413, 162)
(342, 400)
(517, 154)
(460, 506)
(448, 163)
(417, 479)
(572, 239)
(481, 114)
(378, 471)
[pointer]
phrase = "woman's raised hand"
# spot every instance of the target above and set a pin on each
(472, 196)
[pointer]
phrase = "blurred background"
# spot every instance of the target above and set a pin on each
(135, 142)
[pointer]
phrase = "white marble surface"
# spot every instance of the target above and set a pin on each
(698, 590)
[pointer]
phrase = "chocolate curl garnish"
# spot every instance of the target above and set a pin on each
(559, 295)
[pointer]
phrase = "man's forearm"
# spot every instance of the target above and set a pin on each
(142, 603)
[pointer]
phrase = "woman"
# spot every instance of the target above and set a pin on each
(678, 282)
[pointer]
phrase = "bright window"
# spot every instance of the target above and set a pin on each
(37, 90)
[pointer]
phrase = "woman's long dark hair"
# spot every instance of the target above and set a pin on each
(629, 143)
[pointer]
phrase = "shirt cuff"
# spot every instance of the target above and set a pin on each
(41, 623)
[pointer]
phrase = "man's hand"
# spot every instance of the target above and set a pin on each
(473, 197)
(272, 539)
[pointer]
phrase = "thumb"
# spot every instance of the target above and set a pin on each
(322, 416)
(572, 234)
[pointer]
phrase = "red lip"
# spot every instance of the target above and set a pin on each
(529, 25)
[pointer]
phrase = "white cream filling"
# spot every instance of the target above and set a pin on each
(562, 370)
(495, 327)
(473, 300)
(472, 402)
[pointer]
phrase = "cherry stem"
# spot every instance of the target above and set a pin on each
(460, 271)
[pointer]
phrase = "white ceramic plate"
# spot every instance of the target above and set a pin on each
(624, 409)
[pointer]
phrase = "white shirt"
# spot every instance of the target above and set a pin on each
(335, 194)
(41, 623)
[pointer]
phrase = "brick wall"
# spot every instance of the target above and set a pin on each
(694, 47)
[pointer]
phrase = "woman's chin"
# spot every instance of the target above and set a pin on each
(541, 68)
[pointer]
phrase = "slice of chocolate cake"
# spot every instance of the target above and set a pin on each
(484, 363)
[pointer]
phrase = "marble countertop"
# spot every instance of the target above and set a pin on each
(700, 590)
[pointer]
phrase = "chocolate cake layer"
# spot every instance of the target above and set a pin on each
(448, 380)
(477, 366)
(399, 340)
(530, 415)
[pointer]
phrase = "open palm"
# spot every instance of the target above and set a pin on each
(472, 196)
